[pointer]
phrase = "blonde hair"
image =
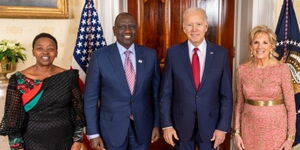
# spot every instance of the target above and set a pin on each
(266, 30)
(263, 29)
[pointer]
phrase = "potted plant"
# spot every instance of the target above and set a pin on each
(11, 52)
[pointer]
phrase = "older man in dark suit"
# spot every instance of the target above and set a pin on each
(196, 94)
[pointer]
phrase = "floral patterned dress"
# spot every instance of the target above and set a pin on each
(264, 127)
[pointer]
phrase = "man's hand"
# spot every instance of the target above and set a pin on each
(76, 146)
(97, 144)
(218, 137)
(155, 134)
(169, 134)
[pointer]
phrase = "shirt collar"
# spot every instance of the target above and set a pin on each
(201, 47)
(122, 49)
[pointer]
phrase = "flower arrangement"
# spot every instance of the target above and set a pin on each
(11, 51)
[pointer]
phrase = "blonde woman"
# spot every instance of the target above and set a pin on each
(265, 107)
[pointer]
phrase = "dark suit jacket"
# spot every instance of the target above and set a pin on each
(182, 106)
(106, 86)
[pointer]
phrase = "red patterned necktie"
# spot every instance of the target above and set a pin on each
(129, 71)
(196, 68)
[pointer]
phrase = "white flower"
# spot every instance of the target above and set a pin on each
(11, 51)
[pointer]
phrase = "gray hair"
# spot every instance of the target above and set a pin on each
(194, 9)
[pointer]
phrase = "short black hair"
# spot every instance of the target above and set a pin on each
(123, 14)
(44, 35)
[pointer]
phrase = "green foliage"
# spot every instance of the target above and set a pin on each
(11, 51)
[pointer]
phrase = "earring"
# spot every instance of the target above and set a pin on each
(271, 54)
(251, 55)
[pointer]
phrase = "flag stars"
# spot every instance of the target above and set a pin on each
(83, 22)
(79, 44)
(92, 36)
(82, 29)
(81, 37)
(98, 36)
(89, 58)
(295, 42)
(84, 51)
(84, 14)
(91, 44)
(82, 59)
(281, 42)
(78, 51)
(94, 14)
(94, 21)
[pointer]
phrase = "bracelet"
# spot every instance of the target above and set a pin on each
(236, 132)
(291, 137)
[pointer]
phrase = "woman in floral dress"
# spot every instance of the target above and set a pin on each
(43, 109)
(265, 112)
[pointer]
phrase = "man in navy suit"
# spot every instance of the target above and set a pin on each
(196, 94)
(121, 93)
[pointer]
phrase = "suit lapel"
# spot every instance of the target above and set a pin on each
(187, 63)
(210, 53)
(140, 65)
(116, 61)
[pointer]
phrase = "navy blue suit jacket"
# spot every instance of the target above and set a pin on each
(107, 99)
(182, 106)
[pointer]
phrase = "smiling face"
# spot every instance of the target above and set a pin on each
(195, 26)
(45, 51)
(125, 29)
(261, 46)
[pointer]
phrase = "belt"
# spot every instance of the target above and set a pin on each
(264, 103)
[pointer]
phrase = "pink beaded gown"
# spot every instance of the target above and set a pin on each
(264, 127)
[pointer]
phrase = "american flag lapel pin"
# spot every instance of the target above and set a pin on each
(140, 61)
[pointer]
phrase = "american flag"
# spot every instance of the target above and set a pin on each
(288, 48)
(89, 38)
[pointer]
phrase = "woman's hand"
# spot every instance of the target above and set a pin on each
(238, 141)
(76, 146)
(287, 145)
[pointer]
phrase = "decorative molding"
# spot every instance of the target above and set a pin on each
(60, 11)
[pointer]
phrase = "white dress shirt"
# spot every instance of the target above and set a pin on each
(122, 50)
(201, 54)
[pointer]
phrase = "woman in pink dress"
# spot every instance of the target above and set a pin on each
(265, 112)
